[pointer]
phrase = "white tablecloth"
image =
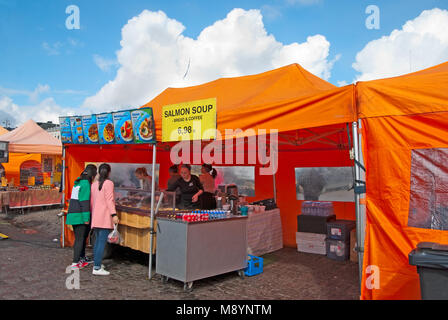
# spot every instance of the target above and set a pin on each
(264, 232)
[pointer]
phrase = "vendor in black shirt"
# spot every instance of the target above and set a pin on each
(190, 187)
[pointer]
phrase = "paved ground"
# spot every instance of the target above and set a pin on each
(32, 266)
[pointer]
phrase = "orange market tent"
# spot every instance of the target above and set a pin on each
(309, 113)
(28, 142)
(404, 137)
(3, 130)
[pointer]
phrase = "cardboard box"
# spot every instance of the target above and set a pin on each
(311, 243)
(313, 224)
(353, 253)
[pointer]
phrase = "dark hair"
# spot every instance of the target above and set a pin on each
(142, 171)
(104, 172)
(210, 170)
(186, 166)
(173, 168)
(89, 173)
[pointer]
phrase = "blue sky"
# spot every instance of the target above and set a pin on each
(36, 48)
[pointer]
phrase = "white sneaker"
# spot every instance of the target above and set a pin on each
(100, 272)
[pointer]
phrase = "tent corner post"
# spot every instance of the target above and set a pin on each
(151, 227)
(360, 246)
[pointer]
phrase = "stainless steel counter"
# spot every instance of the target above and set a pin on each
(189, 251)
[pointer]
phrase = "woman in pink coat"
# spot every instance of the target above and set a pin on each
(104, 216)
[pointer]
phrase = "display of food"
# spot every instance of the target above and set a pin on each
(139, 201)
(105, 128)
(143, 122)
(77, 131)
(123, 127)
(90, 126)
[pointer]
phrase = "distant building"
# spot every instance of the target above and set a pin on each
(51, 128)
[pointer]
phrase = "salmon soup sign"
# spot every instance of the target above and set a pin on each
(194, 120)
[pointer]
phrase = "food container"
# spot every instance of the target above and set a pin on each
(226, 207)
(262, 208)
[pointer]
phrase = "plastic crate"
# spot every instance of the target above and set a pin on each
(254, 266)
(338, 249)
(340, 229)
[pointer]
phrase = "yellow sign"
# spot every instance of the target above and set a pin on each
(194, 120)
(47, 180)
(4, 182)
(31, 181)
(57, 176)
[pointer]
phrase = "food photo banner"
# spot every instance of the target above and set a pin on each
(122, 127)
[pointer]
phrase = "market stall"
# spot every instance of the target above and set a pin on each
(317, 136)
(33, 172)
(405, 141)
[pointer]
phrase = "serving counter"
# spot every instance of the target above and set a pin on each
(189, 251)
(30, 198)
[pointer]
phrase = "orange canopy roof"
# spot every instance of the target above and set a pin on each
(286, 98)
(30, 138)
(419, 92)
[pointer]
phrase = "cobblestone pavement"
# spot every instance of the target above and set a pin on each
(32, 266)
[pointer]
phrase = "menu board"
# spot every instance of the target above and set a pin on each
(123, 127)
(90, 129)
(66, 131)
(106, 133)
(77, 132)
(143, 125)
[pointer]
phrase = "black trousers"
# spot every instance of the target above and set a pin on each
(79, 248)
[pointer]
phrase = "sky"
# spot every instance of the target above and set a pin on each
(125, 53)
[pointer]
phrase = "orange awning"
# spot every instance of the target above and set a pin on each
(286, 99)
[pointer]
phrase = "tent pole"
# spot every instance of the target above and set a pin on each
(273, 176)
(63, 195)
(359, 224)
(151, 227)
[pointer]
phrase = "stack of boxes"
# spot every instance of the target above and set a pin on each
(312, 226)
(320, 233)
(338, 239)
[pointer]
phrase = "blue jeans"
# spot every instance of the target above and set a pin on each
(98, 248)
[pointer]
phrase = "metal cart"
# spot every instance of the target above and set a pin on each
(189, 251)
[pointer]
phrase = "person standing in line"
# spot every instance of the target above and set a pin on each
(78, 215)
(104, 215)
(207, 178)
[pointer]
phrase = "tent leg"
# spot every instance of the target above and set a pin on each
(359, 218)
(151, 226)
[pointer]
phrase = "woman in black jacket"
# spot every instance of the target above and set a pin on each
(190, 187)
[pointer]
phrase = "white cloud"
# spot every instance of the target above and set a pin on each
(46, 110)
(32, 95)
(155, 55)
(104, 64)
(342, 83)
(420, 43)
(270, 12)
(52, 49)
